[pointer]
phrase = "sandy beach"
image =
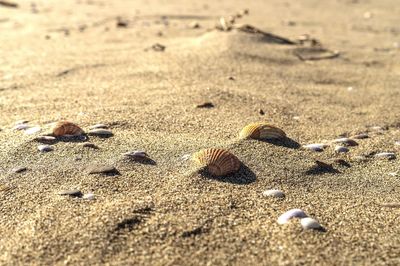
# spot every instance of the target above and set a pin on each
(171, 78)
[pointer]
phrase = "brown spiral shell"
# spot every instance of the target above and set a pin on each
(261, 131)
(218, 162)
(63, 128)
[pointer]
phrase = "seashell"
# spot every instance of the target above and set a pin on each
(89, 196)
(345, 141)
(261, 131)
(32, 130)
(98, 126)
(136, 154)
(100, 132)
(45, 148)
(293, 213)
(310, 223)
(341, 149)
(19, 169)
(63, 128)
(45, 139)
(101, 169)
(276, 193)
(217, 162)
(315, 146)
(71, 193)
(385, 155)
(361, 136)
(21, 127)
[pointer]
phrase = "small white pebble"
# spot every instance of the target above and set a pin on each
(89, 196)
(276, 193)
(310, 223)
(296, 117)
(397, 143)
(45, 148)
(100, 132)
(350, 88)
(98, 126)
(367, 15)
(186, 157)
(315, 146)
(393, 173)
(341, 149)
(33, 130)
(21, 127)
(136, 154)
(385, 155)
(293, 213)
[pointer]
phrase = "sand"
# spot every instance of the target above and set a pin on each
(69, 60)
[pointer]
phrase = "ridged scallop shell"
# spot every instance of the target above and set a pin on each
(261, 131)
(63, 128)
(218, 162)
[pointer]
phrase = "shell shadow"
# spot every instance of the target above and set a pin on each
(243, 177)
(318, 170)
(286, 142)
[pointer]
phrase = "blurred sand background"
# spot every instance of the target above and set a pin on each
(70, 60)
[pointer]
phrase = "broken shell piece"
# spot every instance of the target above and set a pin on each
(136, 154)
(385, 155)
(261, 131)
(98, 126)
(293, 213)
(345, 141)
(315, 146)
(276, 193)
(217, 162)
(45, 148)
(100, 132)
(89, 196)
(361, 136)
(33, 130)
(341, 149)
(21, 127)
(309, 223)
(64, 128)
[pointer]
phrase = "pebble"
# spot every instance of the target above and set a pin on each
(385, 155)
(205, 105)
(89, 145)
(21, 127)
(393, 173)
(100, 132)
(194, 25)
(45, 139)
(136, 154)
(309, 223)
(293, 213)
(101, 169)
(89, 196)
(345, 141)
(276, 193)
(361, 136)
(33, 130)
(315, 146)
(186, 157)
(397, 143)
(71, 193)
(98, 126)
(45, 148)
(341, 149)
(19, 169)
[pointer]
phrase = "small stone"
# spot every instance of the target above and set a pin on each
(296, 117)
(19, 169)
(340, 149)
(100, 132)
(293, 213)
(136, 154)
(315, 146)
(72, 193)
(273, 193)
(186, 157)
(45, 139)
(261, 112)
(21, 127)
(393, 173)
(385, 155)
(102, 169)
(231, 78)
(309, 223)
(158, 47)
(78, 158)
(45, 148)
(367, 15)
(350, 88)
(194, 25)
(89, 145)
(89, 196)
(33, 130)
(397, 143)
(98, 126)
(345, 141)
(361, 136)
